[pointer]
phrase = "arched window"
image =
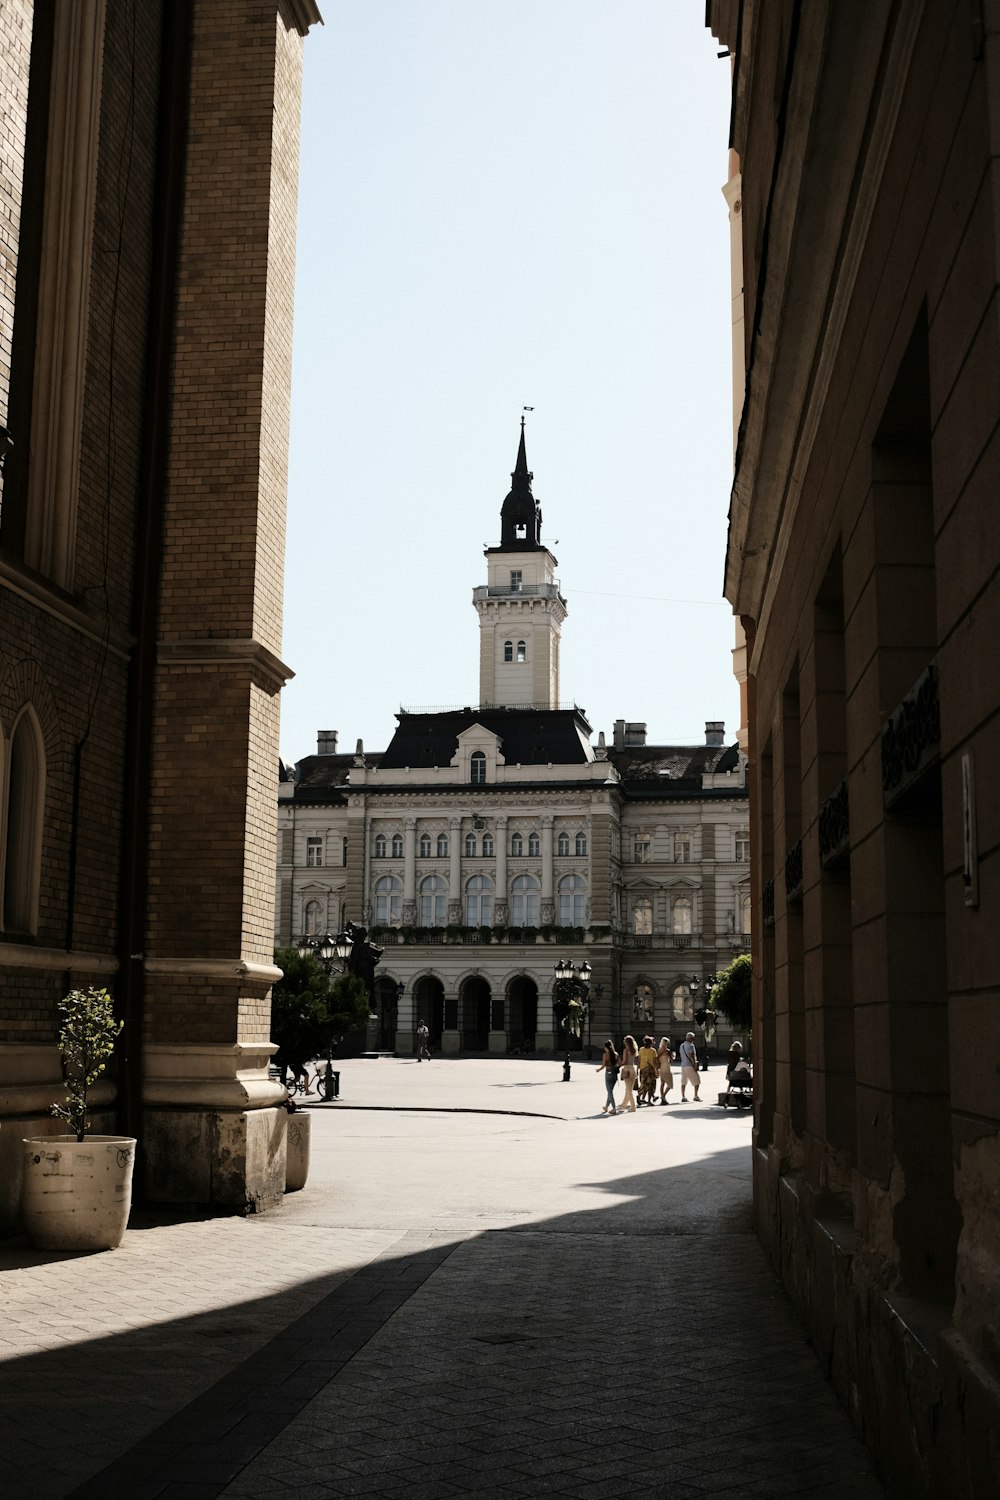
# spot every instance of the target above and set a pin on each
(572, 901)
(380, 846)
(522, 651)
(388, 901)
(310, 918)
(433, 901)
(534, 845)
(479, 901)
(642, 1004)
(516, 844)
(581, 843)
(488, 845)
(425, 846)
(746, 907)
(508, 650)
(524, 892)
(470, 846)
(642, 916)
(25, 810)
(397, 846)
(562, 844)
(442, 846)
(477, 768)
(682, 911)
(680, 997)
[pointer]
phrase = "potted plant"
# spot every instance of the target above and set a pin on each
(77, 1190)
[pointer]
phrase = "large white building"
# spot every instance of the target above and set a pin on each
(484, 844)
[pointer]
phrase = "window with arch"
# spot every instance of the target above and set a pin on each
(682, 910)
(488, 845)
(581, 843)
(25, 811)
(746, 911)
(477, 767)
(516, 844)
(479, 901)
(642, 1004)
(311, 914)
(380, 846)
(680, 998)
(534, 845)
(572, 901)
(433, 901)
(397, 846)
(562, 844)
(425, 846)
(442, 846)
(470, 846)
(314, 850)
(522, 651)
(508, 650)
(524, 897)
(642, 917)
(388, 901)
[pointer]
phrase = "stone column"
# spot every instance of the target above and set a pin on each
(501, 906)
(410, 872)
(454, 872)
(548, 903)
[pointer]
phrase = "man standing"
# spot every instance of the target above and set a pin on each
(423, 1037)
(689, 1067)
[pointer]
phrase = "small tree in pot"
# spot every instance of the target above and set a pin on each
(77, 1190)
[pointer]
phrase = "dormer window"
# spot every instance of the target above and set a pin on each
(477, 767)
(516, 575)
(522, 651)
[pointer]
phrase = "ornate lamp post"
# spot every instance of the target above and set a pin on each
(355, 955)
(571, 1002)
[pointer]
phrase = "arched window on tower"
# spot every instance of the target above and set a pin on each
(22, 865)
(477, 768)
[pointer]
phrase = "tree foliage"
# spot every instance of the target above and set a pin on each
(731, 995)
(309, 1010)
(87, 1036)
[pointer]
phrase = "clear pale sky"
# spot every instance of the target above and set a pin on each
(509, 204)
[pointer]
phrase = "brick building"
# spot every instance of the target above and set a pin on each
(863, 555)
(148, 172)
(483, 844)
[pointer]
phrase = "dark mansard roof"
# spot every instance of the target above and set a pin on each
(528, 737)
(674, 770)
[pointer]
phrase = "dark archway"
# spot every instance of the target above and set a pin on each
(386, 1008)
(428, 1005)
(475, 1014)
(522, 1012)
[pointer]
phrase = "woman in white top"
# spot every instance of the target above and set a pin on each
(666, 1076)
(689, 1067)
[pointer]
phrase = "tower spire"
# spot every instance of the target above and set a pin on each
(520, 517)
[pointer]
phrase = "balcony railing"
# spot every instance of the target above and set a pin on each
(526, 591)
(661, 939)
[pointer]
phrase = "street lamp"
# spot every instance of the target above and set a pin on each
(572, 994)
(352, 951)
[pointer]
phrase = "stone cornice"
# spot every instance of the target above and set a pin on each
(303, 14)
(242, 651)
(27, 956)
(215, 968)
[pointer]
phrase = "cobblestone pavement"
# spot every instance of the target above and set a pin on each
(458, 1303)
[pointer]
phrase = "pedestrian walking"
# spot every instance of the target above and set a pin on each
(689, 1067)
(629, 1053)
(666, 1076)
(609, 1062)
(423, 1037)
(648, 1069)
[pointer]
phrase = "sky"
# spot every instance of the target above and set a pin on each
(505, 205)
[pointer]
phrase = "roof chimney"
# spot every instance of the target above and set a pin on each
(715, 732)
(619, 734)
(326, 742)
(635, 734)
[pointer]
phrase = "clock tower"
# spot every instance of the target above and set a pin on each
(520, 609)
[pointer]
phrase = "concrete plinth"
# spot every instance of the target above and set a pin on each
(451, 1042)
(233, 1158)
(299, 1138)
(498, 1042)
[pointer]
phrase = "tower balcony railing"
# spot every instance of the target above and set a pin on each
(505, 591)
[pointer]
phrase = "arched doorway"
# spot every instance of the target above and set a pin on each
(386, 1008)
(522, 1012)
(475, 1014)
(428, 1005)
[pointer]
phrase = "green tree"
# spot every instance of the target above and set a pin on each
(86, 1041)
(349, 1005)
(309, 1010)
(731, 995)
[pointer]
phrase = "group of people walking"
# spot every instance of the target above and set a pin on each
(645, 1069)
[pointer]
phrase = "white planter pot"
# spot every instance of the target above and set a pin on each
(77, 1194)
(297, 1161)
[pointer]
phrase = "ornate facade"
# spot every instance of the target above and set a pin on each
(484, 844)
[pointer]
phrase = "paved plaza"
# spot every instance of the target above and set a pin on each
(486, 1288)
